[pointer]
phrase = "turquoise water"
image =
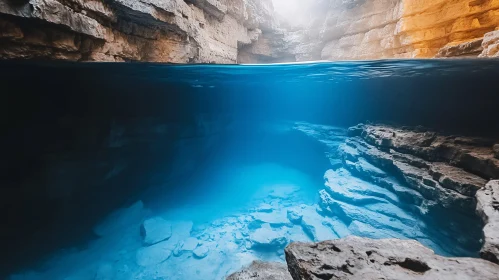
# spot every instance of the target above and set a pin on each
(229, 161)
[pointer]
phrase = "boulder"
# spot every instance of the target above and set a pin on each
(186, 246)
(362, 258)
(262, 271)
(201, 252)
(295, 216)
(267, 238)
(155, 230)
(153, 255)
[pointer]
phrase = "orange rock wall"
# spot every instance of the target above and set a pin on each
(404, 28)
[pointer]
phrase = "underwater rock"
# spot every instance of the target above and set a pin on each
(155, 230)
(295, 216)
(190, 244)
(414, 171)
(262, 271)
(153, 255)
(362, 258)
(208, 31)
(265, 207)
(456, 179)
(313, 225)
(185, 246)
(201, 252)
(267, 238)
(496, 150)
(488, 209)
(474, 155)
(275, 219)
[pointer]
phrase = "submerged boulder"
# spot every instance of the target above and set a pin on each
(362, 258)
(201, 252)
(267, 238)
(295, 216)
(153, 255)
(155, 230)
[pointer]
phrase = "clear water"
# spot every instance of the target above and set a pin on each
(228, 155)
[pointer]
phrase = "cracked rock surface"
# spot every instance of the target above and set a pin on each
(361, 258)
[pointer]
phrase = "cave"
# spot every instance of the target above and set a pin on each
(249, 139)
(114, 171)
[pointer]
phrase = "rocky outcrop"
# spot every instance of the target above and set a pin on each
(245, 31)
(436, 176)
(490, 44)
(262, 270)
(360, 258)
(488, 209)
(209, 31)
(375, 29)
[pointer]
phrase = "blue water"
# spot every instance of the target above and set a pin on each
(232, 159)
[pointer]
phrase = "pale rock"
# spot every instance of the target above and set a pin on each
(295, 216)
(313, 225)
(155, 230)
(201, 252)
(361, 258)
(266, 238)
(262, 271)
(153, 255)
(488, 209)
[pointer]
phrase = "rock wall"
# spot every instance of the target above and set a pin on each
(436, 171)
(245, 31)
(191, 31)
(374, 29)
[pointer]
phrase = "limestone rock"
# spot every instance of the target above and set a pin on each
(153, 255)
(266, 238)
(457, 179)
(262, 271)
(186, 246)
(474, 155)
(490, 44)
(467, 49)
(360, 258)
(295, 216)
(209, 31)
(314, 225)
(488, 209)
(155, 230)
(201, 252)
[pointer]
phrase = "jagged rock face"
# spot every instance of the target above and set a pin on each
(375, 29)
(209, 31)
(436, 172)
(245, 31)
(488, 209)
(261, 270)
(360, 258)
